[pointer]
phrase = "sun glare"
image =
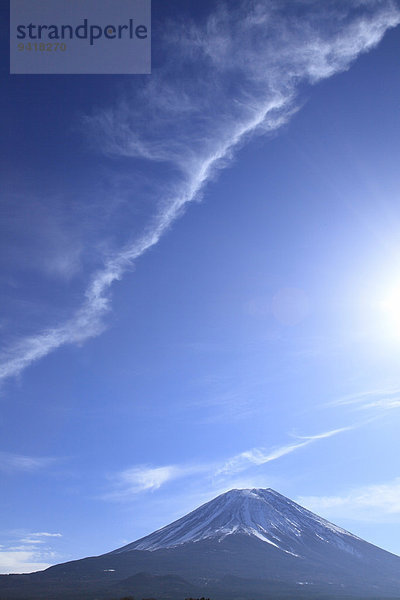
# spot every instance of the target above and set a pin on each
(389, 307)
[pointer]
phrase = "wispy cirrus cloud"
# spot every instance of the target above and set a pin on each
(19, 462)
(134, 480)
(234, 76)
(376, 503)
(40, 537)
(383, 399)
(45, 534)
(261, 456)
(138, 479)
(141, 479)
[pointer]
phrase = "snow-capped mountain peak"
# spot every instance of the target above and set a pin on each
(248, 543)
(261, 513)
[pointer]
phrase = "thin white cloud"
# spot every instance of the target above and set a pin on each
(385, 404)
(21, 561)
(382, 400)
(260, 456)
(45, 534)
(138, 479)
(35, 538)
(29, 553)
(20, 462)
(196, 123)
(376, 503)
(135, 480)
(327, 434)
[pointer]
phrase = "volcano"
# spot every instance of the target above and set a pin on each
(245, 544)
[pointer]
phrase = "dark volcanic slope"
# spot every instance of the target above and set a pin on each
(244, 544)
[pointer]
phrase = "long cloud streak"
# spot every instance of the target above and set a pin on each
(259, 456)
(232, 77)
(377, 400)
(140, 479)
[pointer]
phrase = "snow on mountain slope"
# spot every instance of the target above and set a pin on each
(244, 544)
(261, 513)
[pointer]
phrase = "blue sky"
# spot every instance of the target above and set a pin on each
(201, 275)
